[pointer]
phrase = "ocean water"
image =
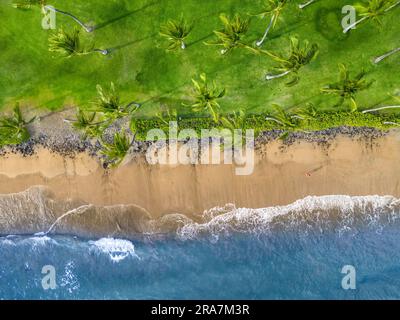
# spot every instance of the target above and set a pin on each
(291, 252)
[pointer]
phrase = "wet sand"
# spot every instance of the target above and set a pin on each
(282, 174)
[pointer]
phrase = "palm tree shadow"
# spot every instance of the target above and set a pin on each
(127, 44)
(200, 40)
(287, 30)
(123, 16)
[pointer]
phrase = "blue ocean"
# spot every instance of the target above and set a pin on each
(291, 252)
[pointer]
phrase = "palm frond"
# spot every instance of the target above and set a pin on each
(347, 87)
(27, 4)
(299, 56)
(233, 34)
(176, 32)
(236, 120)
(116, 151)
(67, 44)
(88, 124)
(13, 129)
(206, 97)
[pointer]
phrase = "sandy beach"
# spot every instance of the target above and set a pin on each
(282, 175)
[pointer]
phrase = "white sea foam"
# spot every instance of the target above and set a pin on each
(36, 241)
(117, 249)
(69, 279)
(338, 210)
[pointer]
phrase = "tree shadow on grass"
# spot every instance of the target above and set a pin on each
(123, 16)
(127, 44)
(328, 24)
(200, 40)
(285, 31)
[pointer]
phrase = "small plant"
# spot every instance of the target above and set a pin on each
(274, 9)
(372, 10)
(307, 113)
(236, 120)
(299, 56)
(28, 4)
(107, 109)
(282, 118)
(68, 44)
(88, 124)
(109, 104)
(13, 129)
(206, 97)
(166, 116)
(232, 35)
(176, 32)
(347, 88)
(116, 151)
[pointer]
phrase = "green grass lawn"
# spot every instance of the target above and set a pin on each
(142, 69)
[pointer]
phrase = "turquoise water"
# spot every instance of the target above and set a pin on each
(299, 255)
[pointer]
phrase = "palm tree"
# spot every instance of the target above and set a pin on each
(307, 113)
(206, 97)
(306, 4)
(374, 10)
(299, 56)
(274, 9)
(116, 151)
(109, 104)
(283, 118)
(68, 44)
(176, 32)
(27, 4)
(13, 129)
(166, 116)
(236, 120)
(347, 88)
(88, 124)
(232, 35)
(386, 55)
(286, 121)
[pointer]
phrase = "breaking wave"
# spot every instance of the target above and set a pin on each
(37, 211)
(116, 249)
(282, 252)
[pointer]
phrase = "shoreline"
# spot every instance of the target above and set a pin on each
(355, 163)
(55, 173)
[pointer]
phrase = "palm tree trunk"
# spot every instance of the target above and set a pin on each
(392, 6)
(259, 43)
(303, 5)
(270, 77)
(214, 115)
(87, 28)
(355, 24)
(381, 108)
(386, 55)
(275, 120)
(183, 45)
